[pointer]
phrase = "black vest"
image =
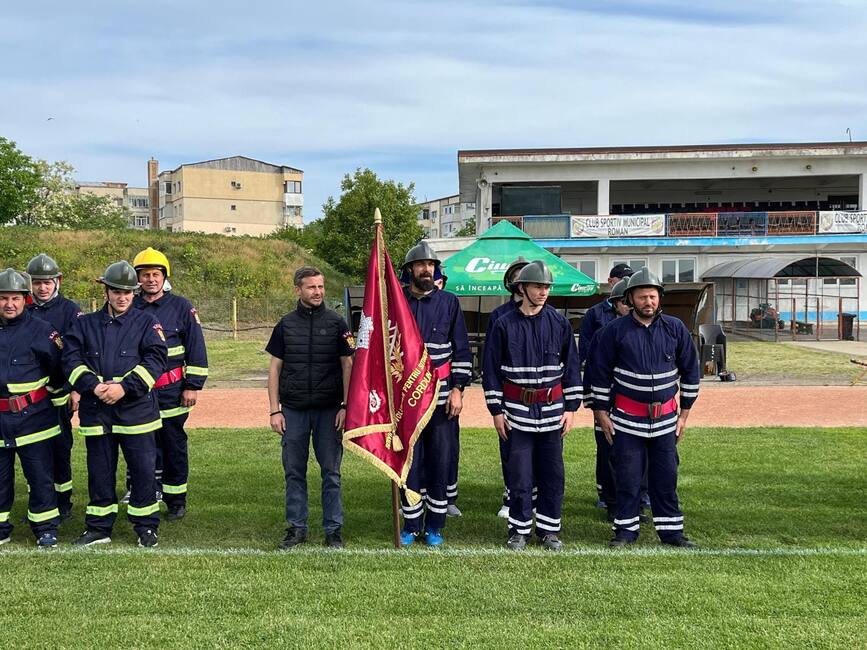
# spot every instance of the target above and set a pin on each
(312, 376)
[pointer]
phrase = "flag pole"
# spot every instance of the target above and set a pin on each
(395, 493)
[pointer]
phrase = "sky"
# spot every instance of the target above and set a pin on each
(401, 86)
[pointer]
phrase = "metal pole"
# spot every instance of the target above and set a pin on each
(234, 319)
(779, 309)
(93, 304)
(395, 514)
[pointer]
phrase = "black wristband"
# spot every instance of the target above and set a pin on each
(343, 405)
(273, 413)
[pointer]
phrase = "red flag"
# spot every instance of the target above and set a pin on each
(392, 392)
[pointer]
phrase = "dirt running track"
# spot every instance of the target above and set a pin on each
(717, 406)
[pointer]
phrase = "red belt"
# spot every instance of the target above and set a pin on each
(18, 403)
(443, 371)
(529, 396)
(170, 377)
(650, 410)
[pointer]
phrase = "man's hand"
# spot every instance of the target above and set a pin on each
(566, 422)
(99, 390)
(189, 397)
(680, 430)
(112, 394)
(605, 424)
(502, 426)
(74, 399)
(340, 419)
(455, 403)
(278, 423)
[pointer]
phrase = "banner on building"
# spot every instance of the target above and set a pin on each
(638, 225)
(838, 221)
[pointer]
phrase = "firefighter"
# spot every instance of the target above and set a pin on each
(441, 324)
(30, 373)
(178, 387)
(507, 307)
(637, 364)
(51, 306)
(531, 368)
(605, 483)
(113, 357)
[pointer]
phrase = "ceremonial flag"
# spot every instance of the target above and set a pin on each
(393, 390)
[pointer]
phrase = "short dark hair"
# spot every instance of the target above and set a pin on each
(306, 272)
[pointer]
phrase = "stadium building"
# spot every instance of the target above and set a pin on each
(779, 229)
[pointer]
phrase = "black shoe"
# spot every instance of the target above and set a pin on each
(620, 542)
(148, 539)
(91, 537)
(333, 539)
(551, 542)
(680, 542)
(47, 540)
(176, 512)
(294, 537)
(517, 542)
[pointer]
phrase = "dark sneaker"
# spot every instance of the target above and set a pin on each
(294, 537)
(148, 538)
(176, 512)
(91, 537)
(453, 511)
(552, 542)
(601, 504)
(517, 542)
(5, 540)
(680, 542)
(333, 539)
(47, 540)
(620, 542)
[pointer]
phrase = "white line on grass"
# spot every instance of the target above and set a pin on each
(448, 552)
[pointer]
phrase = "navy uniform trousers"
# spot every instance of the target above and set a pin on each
(61, 450)
(139, 452)
(36, 463)
(455, 459)
(429, 474)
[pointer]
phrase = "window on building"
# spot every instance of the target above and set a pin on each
(851, 261)
(167, 186)
(292, 187)
(635, 265)
(587, 267)
(141, 222)
(678, 270)
(233, 207)
(433, 214)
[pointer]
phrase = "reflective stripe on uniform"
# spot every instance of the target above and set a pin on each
(77, 372)
(101, 511)
(174, 489)
(63, 487)
(4, 517)
(180, 410)
(37, 517)
(137, 428)
(197, 371)
(143, 511)
(30, 438)
(176, 351)
(60, 401)
(145, 375)
(26, 387)
(96, 430)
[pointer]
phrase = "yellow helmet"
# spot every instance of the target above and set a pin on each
(152, 257)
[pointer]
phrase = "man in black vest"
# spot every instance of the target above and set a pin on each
(311, 352)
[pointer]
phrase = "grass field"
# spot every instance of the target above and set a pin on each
(780, 515)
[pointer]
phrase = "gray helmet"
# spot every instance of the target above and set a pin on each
(13, 281)
(43, 267)
(618, 291)
(519, 263)
(644, 278)
(536, 272)
(120, 275)
(421, 251)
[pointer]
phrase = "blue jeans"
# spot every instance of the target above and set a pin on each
(300, 424)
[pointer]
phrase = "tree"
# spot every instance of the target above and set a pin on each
(20, 181)
(347, 227)
(467, 230)
(307, 237)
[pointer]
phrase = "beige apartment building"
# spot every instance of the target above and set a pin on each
(231, 196)
(134, 200)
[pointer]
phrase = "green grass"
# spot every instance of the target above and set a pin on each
(780, 363)
(230, 360)
(780, 515)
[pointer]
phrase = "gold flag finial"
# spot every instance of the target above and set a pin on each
(377, 216)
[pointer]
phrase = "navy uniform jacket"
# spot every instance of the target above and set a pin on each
(645, 364)
(532, 352)
(186, 348)
(441, 324)
(597, 317)
(130, 350)
(29, 359)
(61, 313)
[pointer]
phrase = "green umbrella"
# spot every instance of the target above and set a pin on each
(478, 269)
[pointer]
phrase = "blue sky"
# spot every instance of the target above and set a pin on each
(401, 86)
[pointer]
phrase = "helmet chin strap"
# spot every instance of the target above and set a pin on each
(51, 297)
